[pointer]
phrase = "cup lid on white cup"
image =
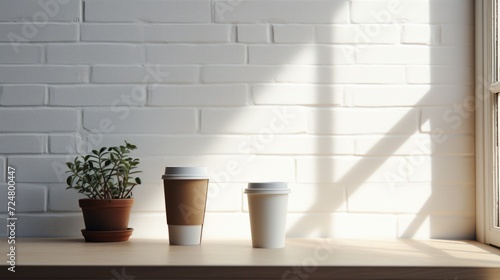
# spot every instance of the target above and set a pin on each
(185, 172)
(268, 188)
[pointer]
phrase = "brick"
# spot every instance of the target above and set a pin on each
(3, 166)
(196, 54)
(148, 11)
(40, 11)
(439, 75)
(342, 74)
(63, 200)
(204, 95)
(114, 95)
(452, 169)
(239, 74)
(457, 34)
(239, 229)
(356, 225)
(22, 143)
(368, 11)
(437, 227)
(17, 33)
(293, 33)
(458, 117)
(282, 12)
(22, 95)
(294, 94)
(50, 225)
(362, 121)
(254, 120)
(253, 33)
(301, 145)
(144, 74)
(358, 34)
(191, 33)
(67, 144)
(95, 54)
(168, 145)
(421, 34)
(407, 95)
(44, 74)
(38, 120)
(273, 54)
(39, 169)
(24, 54)
(29, 198)
(415, 144)
(349, 170)
(415, 55)
(98, 32)
(124, 119)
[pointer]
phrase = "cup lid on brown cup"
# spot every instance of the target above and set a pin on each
(185, 172)
(268, 188)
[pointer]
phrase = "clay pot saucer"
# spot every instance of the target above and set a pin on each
(107, 236)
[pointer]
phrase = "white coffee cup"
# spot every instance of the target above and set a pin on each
(268, 203)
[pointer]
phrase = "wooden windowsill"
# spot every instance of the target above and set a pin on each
(300, 259)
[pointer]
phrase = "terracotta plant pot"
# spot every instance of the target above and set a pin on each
(104, 216)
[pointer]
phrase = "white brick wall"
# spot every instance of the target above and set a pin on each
(364, 107)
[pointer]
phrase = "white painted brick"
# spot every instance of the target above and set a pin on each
(254, 120)
(275, 54)
(282, 12)
(253, 33)
(115, 95)
(293, 33)
(415, 144)
(196, 54)
(44, 10)
(62, 199)
(38, 120)
(239, 227)
(296, 94)
(442, 169)
(239, 74)
(19, 95)
(369, 11)
(124, 119)
(348, 170)
(343, 74)
(440, 75)
(155, 145)
(309, 225)
(407, 95)
(302, 145)
(29, 198)
(421, 34)
(150, 225)
(225, 197)
(22, 143)
(39, 169)
(415, 55)
(191, 33)
(3, 166)
(62, 225)
(358, 34)
(95, 54)
(149, 197)
(29, 32)
(362, 121)
(198, 95)
(99, 32)
(148, 11)
(44, 74)
(436, 227)
(457, 34)
(145, 74)
(67, 144)
(456, 118)
(22, 54)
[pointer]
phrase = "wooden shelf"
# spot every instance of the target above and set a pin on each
(300, 259)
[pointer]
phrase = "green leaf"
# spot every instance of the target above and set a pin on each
(102, 150)
(138, 180)
(95, 152)
(68, 180)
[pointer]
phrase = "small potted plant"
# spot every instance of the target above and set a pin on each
(106, 177)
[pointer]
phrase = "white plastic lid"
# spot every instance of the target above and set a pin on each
(268, 188)
(185, 172)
